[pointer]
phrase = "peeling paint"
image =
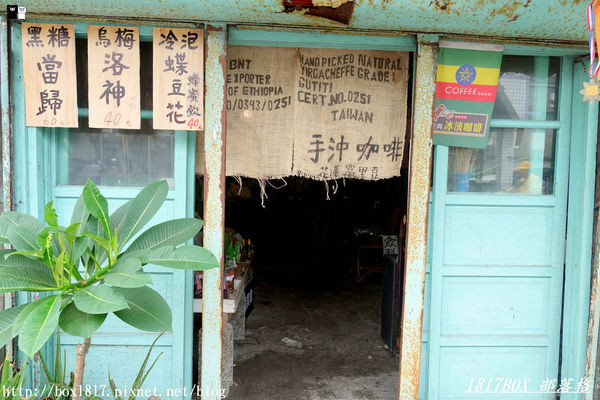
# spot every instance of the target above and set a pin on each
(214, 208)
(6, 120)
(483, 18)
(442, 5)
(510, 11)
(330, 3)
(418, 211)
(341, 13)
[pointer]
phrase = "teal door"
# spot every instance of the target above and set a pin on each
(497, 245)
(53, 164)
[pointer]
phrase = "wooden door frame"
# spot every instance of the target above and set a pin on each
(581, 300)
(581, 315)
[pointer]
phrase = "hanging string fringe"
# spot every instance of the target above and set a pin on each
(238, 179)
(278, 187)
(263, 193)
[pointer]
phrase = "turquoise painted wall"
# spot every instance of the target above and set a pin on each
(545, 20)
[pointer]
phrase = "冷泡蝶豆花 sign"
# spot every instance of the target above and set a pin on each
(466, 86)
(178, 79)
(50, 76)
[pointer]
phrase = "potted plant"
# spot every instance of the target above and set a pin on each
(93, 267)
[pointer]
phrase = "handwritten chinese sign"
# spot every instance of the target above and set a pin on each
(49, 74)
(178, 61)
(319, 113)
(350, 113)
(467, 82)
(114, 77)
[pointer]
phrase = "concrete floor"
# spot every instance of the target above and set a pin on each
(342, 355)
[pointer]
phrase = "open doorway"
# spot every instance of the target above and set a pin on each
(323, 304)
(315, 265)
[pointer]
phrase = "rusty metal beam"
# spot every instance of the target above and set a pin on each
(8, 299)
(593, 343)
(547, 20)
(6, 121)
(418, 210)
(214, 209)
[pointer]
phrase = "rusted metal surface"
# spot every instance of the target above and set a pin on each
(339, 11)
(214, 209)
(8, 299)
(592, 369)
(6, 128)
(416, 231)
(591, 356)
(544, 20)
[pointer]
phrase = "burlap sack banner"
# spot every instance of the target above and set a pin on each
(260, 111)
(319, 113)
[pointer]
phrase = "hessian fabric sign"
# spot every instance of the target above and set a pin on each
(318, 113)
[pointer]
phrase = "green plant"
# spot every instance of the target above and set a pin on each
(233, 246)
(136, 386)
(89, 270)
(58, 388)
(11, 383)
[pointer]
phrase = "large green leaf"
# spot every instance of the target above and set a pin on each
(100, 240)
(188, 257)
(94, 227)
(19, 321)
(128, 274)
(117, 218)
(28, 229)
(7, 319)
(19, 272)
(39, 325)
(141, 210)
(147, 311)
(100, 299)
(78, 323)
(79, 247)
(50, 214)
(80, 215)
(10, 258)
(22, 239)
(169, 233)
(41, 238)
(96, 204)
(4, 228)
(70, 230)
(24, 220)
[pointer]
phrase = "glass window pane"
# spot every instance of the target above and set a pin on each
(114, 158)
(521, 93)
(516, 161)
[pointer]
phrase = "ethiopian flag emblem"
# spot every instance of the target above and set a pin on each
(466, 86)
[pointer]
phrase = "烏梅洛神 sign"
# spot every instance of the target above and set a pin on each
(114, 77)
(49, 75)
(467, 82)
(178, 79)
